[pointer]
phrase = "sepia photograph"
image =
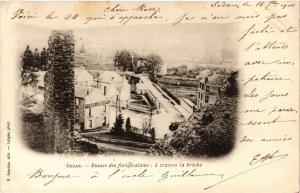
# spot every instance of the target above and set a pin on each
(149, 96)
(155, 90)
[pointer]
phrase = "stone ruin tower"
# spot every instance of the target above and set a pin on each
(59, 93)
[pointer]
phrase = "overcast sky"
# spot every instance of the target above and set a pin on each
(206, 43)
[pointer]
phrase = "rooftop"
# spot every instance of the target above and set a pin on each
(81, 74)
(106, 76)
(91, 95)
(216, 79)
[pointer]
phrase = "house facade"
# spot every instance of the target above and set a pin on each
(114, 86)
(92, 109)
(209, 89)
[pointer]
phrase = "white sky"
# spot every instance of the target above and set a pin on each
(190, 43)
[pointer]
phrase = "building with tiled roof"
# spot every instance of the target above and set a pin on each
(112, 84)
(209, 89)
(92, 108)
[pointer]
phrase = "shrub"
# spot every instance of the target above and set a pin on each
(128, 125)
(118, 125)
(173, 126)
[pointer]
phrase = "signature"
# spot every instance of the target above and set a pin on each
(258, 158)
(257, 161)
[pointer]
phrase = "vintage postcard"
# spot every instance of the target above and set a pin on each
(150, 96)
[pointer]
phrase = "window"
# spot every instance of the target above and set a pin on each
(90, 123)
(201, 97)
(104, 109)
(206, 99)
(104, 91)
(76, 111)
(77, 101)
(207, 88)
(90, 112)
(104, 121)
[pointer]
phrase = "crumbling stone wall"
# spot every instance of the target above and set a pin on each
(59, 93)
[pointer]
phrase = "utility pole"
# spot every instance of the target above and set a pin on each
(97, 81)
(120, 104)
(116, 107)
(120, 100)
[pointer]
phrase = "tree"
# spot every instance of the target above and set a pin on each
(36, 60)
(154, 64)
(128, 125)
(173, 126)
(27, 59)
(139, 64)
(43, 59)
(118, 125)
(123, 60)
(231, 87)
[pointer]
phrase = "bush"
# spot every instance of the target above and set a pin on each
(118, 125)
(128, 125)
(173, 126)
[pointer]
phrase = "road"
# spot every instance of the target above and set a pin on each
(171, 112)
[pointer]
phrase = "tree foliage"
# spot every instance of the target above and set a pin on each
(130, 61)
(43, 59)
(118, 125)
(174, 126)
(128, 125)
(27, 60)
(154, 63)
(123, 60)
(34, 61)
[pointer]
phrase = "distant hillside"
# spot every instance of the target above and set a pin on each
(101, 66)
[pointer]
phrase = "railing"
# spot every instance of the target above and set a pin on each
(171, 95)
(187, 105)
(139, 108)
